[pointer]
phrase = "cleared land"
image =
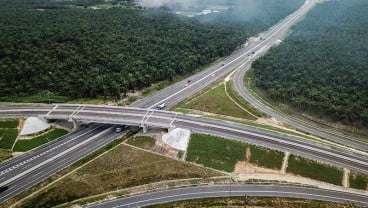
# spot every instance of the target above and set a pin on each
(223, 154)
(121, 168)
(260, 202)
(25, 145)
(358, 181)
(315, 170)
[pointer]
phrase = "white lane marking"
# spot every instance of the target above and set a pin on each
(53, 158)
(62, 165)
(245, 53)
(43, 153)
(52, 110)
(235, 130)
(242, 192)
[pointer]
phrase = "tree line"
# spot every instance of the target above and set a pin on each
(322, 67)
(64, 48)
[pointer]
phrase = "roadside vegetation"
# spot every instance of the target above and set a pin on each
(8, 134)
(28, 144)
(321, 67)
(120, 168)
(242, 102)
(9, 124)
(314, 170)
(223, 154)
(251, 202)
(5, 154)
(10, 144)
(216, 101)
(358, 181)
(7, 138)
(143, 142)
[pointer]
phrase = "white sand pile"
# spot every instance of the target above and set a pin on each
(34, 125)
(177, 138)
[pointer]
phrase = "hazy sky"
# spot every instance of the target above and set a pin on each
(181, 3)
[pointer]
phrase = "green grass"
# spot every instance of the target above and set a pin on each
(25, 145)
(358, 181)
(241, 101)
(13, 123)
(7, 138)
(223, 154)
(42, 97)
(315, 170)
(216, 101)
(5, 154)
(265, 157)
(142, 142)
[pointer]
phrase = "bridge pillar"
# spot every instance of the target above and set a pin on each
(145, 129)
(75, 123)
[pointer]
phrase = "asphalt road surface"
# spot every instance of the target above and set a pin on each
(338, 156)
(180, 91)
(26, 175)
(23, 172)
(180, 194)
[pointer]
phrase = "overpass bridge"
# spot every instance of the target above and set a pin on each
(131, 116)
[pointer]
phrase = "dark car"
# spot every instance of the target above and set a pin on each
(3, 188)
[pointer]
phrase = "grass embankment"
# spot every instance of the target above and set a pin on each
(241, 101)
(315, 170)
(5, 154)
(8, 133)
(216, 101)
(358, 181)
(250, 202)
(120, 168)
(352, 132)
(142, 142)
(42, 97)
(25, 145)
(223, 154)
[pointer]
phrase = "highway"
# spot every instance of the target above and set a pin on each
(27, 170)
(211, 191)
(242, 60)
(300, 125)
(303, 126)
(21, 174)
(340, 157)
(181, 91)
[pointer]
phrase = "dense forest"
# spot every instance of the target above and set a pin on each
(322, 67)
(67, 48)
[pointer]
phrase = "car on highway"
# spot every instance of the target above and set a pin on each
(188, 82)
(161, 106)
(3, 188)
(118, 130)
